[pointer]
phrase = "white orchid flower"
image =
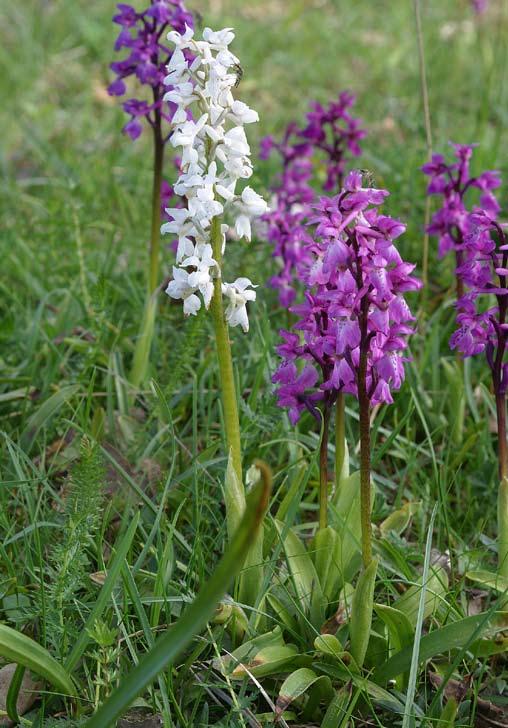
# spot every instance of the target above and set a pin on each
(215, 154)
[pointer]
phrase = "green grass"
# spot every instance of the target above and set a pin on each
(75, 207)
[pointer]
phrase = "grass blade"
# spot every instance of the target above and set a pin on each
(11, 702)
(456, 635)
(45, 412)
(104, 595)
(413, 673)
(195, 617)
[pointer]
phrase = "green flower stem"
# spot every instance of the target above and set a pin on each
(144, 341)
(340, 437)
(227, 381)
(365, 491)
(323, 469)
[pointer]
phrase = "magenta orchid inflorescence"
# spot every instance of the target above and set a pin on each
(334, 134)
(480, 6)
(485, 273)
(143, 35)
(452, 181)
(287, 230)
(355, 321)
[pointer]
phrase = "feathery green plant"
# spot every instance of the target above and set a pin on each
(68, 559)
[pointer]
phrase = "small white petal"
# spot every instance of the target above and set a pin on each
(191, 305)
(242, 227)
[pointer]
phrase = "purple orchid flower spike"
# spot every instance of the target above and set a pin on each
(451, 223)
(143, 35)
(483, 327)
(480, 6)
(354, 322)
(331, 133)
(142, 38)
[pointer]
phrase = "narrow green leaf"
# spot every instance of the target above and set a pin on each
(263, 655)
(449, 713)
(298, 683)
(271, 660)
(328, 644)
(399, 520)
(170, 645)
(502, 527)
(251, 578)
(361, 612)
(413, 674)
(293, 493)
(489, 647)
(456, 399)
(11, 702)
(338, 713)
(324, 555)
(282, 611)
(17, 647)
(375, 691)
(436, 589)
(234, 498)
(47, 409)
(400, 632)
(303, 573)
(489, 579)
(399, 627)
(452, 636)
(104, 595)
(345, 518)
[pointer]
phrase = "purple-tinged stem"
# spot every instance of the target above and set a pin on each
(323, 469)
(365, 494)
(364, 405)
(144, 341)
(497, 381)
(502, 497)
(158, 159)
(502, 452)
(502, 448)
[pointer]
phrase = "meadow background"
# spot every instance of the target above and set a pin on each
(75, 216)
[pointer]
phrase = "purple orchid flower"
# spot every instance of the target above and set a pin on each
(354, 323)
(335, 135)
(143, 34)
(451, 223)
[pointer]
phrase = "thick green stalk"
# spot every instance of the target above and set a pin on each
(340, 437)
(227, 381)
(323, 469)
(144, 341)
